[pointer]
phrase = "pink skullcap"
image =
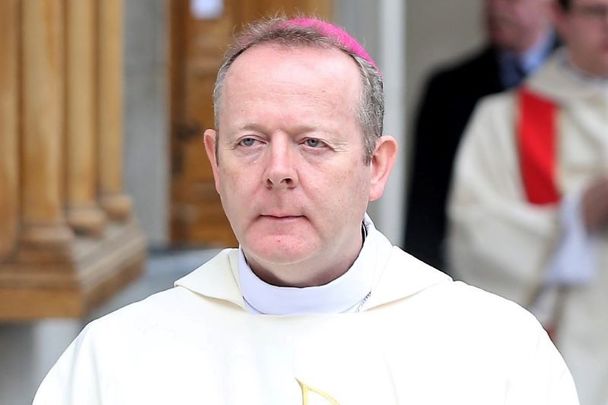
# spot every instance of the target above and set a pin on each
(337, 34)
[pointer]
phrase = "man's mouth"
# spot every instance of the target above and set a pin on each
(280, 216)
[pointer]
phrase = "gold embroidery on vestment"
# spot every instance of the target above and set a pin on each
(309, 393)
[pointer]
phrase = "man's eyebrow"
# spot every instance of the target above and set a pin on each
(299, 129)
(251, 127)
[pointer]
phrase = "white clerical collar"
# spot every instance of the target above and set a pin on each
(344, 294)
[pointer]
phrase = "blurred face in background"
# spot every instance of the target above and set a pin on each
(584, 29)
(516, 25)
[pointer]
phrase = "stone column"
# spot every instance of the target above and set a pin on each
(9, 172)
(110, 109)
(84, 216)
(42, 205)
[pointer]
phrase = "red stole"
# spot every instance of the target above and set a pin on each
(537, 142)
(536, 131)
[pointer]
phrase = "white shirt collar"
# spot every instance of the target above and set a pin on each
(528, 61)
(534, 57)
(344, 294)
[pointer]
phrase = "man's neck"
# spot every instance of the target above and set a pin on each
(344, 293)
(534, 42)
(582, 73)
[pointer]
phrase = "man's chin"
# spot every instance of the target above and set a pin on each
(278, 252)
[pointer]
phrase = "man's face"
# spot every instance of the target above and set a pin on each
(515, 25)
(584, 28)
(290, 161)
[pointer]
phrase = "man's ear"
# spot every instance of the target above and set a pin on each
(381, 165)
(210, 141)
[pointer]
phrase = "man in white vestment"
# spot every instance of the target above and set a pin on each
(316, 306)
(529, 205)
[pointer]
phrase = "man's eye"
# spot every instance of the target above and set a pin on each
(313, 142)
(247, 142)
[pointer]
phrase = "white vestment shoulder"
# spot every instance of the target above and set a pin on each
(420, 339)
(503, 244)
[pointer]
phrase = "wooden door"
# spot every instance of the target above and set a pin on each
(200, 34)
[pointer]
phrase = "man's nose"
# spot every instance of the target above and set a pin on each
(281, 171)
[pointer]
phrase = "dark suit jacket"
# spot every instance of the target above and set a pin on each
(447, 104)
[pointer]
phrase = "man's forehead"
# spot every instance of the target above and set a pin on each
(318, 80)
(268, 59)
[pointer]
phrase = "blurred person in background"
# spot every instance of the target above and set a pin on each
(520, 38)
(529, 207)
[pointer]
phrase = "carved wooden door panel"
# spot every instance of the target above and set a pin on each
(200, 32)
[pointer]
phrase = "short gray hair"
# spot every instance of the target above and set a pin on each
(278, 30)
